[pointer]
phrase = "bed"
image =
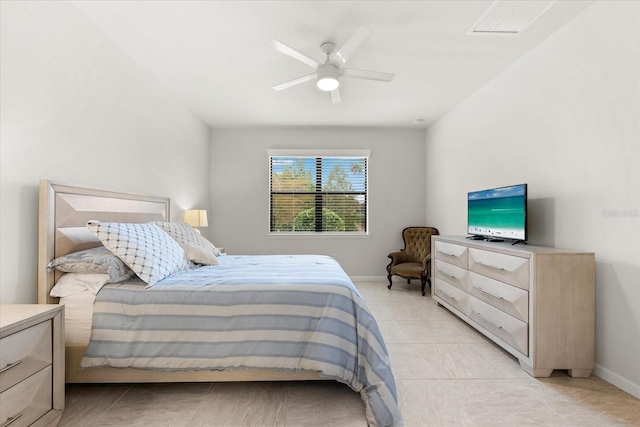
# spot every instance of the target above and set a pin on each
(288, 326)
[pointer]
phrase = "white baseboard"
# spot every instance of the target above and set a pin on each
(369, 278)
(618, 381)
(394, 279)
(383, 279)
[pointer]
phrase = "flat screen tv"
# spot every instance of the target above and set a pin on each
(498, 213)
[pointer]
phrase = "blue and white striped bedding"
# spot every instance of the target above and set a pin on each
(293, 313)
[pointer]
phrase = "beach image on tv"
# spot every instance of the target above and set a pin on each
(498, 212)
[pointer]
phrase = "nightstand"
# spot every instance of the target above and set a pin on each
(31, 364)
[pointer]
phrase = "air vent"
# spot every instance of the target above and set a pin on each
(510, 16)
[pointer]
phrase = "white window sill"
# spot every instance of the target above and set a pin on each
(319, 235)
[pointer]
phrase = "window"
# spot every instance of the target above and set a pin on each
(316, 191)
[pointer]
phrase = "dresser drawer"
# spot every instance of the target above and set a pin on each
(451, 274)
(506, 268)
(511, 330)
(27, 400)
(452, 295)
(511, 300)
(453, 254)
(24, 353)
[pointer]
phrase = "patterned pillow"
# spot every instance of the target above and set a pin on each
(145, 248)
(185, 234)
(94, 260)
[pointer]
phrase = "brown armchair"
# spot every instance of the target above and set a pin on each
(414, 261)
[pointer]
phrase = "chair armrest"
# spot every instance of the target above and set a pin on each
(426, 260)
(397, 258)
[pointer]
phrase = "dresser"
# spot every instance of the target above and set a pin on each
(535, 302)
(31, 364)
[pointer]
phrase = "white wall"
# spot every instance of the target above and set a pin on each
(564, 119)
(75, 109)
(239, 218)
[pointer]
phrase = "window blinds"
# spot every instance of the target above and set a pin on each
(321, 194)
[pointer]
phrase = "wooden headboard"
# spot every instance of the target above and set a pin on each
(63, 215)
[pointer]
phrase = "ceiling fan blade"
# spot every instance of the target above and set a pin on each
(297, 81)
(367, 74)
(335, 96)
(343, 54)
(287, 50)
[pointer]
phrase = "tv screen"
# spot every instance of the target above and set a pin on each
(498, 213)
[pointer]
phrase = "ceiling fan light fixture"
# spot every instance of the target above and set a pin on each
(328, 84)
(328, 77)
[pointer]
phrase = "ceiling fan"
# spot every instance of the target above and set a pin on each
(327, 74)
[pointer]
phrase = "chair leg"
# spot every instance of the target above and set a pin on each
(390, 282)
(424, 277)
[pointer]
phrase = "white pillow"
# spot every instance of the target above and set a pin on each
(73, 283)
(145, 248)
(184, 234)
(198, 255)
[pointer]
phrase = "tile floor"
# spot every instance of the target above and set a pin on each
(446, 373)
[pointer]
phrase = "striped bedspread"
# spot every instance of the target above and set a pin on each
(298, 312)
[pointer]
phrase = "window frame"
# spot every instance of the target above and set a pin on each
(320, 153)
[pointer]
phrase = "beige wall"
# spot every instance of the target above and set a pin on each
(239, 218)
(76, 109)
(564, 119)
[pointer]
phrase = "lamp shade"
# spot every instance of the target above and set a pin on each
(196, 217)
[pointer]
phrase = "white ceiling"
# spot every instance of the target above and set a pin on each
(217, 58)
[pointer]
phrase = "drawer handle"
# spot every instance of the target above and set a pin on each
(489, 293)
(451, 276)
(11, 420)
(447, 295)
(491, 266)
(9, 366)
(487, 320)
(447, 254)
